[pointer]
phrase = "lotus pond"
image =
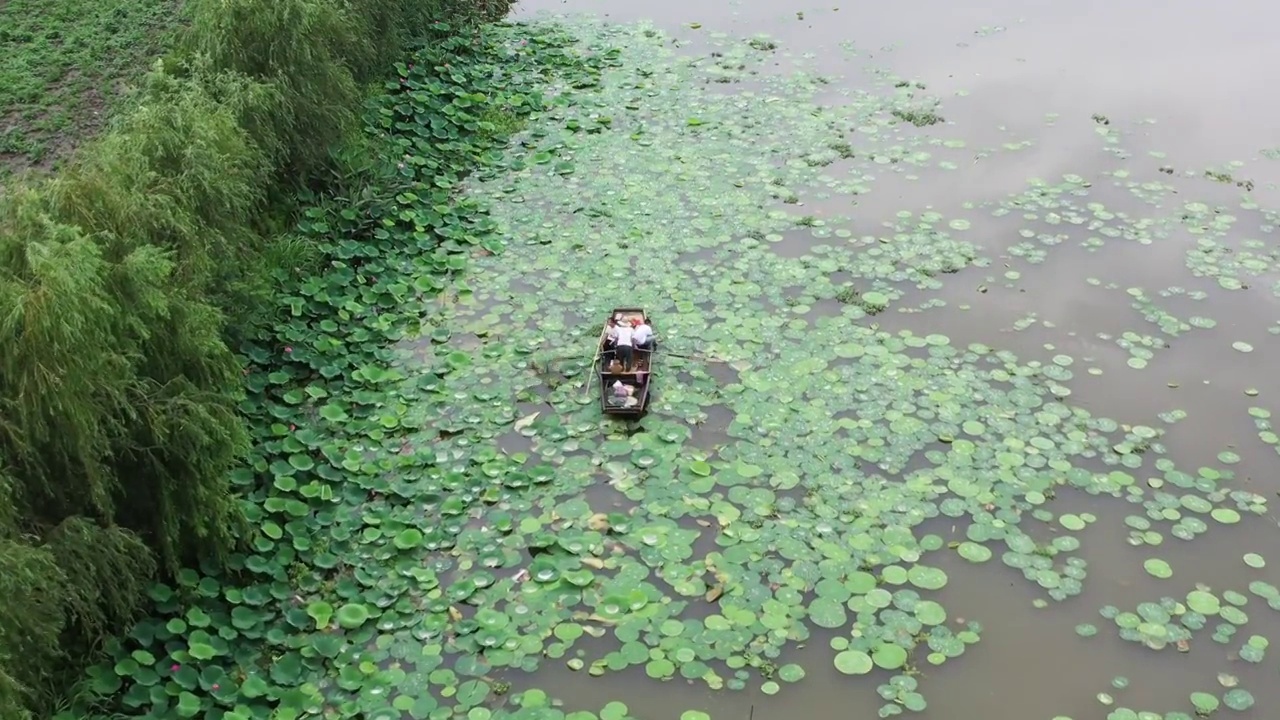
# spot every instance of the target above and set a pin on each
(1003, 454)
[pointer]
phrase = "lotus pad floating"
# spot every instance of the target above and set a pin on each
(1158, 568)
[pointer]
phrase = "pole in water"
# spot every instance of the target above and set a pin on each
(752, 715)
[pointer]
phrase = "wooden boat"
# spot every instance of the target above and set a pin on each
(639, 377)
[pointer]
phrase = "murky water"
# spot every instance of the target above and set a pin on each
(1204, 75)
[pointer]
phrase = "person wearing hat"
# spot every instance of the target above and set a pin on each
(623, 345)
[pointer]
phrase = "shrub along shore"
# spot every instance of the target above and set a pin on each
(142, 288)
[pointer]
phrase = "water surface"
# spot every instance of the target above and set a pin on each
(1188, 86)
(1034, 90)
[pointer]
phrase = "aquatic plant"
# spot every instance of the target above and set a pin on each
(442, 518)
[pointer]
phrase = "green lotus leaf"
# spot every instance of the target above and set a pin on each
(352, 615)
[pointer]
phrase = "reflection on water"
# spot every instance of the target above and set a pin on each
(1032, 88)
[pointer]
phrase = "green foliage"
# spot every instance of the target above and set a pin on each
(297, 47)
(126, 280)
(84, 580)
(31, 623)
(391, 234)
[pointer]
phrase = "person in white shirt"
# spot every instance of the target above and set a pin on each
(622, 345)
(643, 336)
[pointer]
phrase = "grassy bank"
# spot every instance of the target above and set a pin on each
(130, 276)
(63, 67)
(278, 631)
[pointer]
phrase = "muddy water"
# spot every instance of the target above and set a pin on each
(1002, 70)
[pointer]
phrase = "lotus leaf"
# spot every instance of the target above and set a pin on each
(1204, 702)
(889, 656)
(1158, 568)
(1237, 699)
(1203, 602)
(352, 615)
(854, 662)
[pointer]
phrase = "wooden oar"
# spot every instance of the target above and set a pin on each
(595, 359)
(699, 358)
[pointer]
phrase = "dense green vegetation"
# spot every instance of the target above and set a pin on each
(268, 452)
(63, 66)
(127, 280)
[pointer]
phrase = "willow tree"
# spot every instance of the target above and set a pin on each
(296, 47)
(163, 202)
(67, 570)
(118, 393)
(124, 282)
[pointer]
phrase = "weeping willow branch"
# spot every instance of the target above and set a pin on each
(31, 620)
(59, 399)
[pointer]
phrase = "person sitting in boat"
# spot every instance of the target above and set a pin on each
(622, 394)
(622, 345)
(642, 337)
